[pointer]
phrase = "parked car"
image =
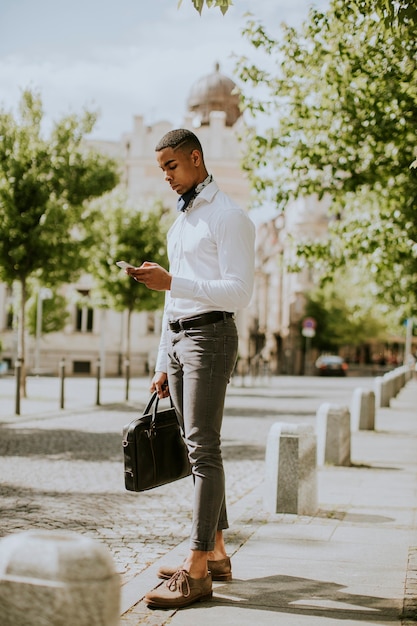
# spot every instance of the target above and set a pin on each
(331, 365)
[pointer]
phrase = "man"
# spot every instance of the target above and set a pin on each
(211, 255)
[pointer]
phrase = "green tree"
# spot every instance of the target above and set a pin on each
(343, 101)
(127, 234)
(346, 314)
(45, 186)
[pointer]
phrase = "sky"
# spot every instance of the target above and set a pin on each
(124, 57)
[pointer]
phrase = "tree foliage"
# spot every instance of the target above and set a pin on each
(346, 314)
(393, 12)
(199, 4)
(45, 187)
(343, 101)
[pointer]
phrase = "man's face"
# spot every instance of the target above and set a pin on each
(181, 169)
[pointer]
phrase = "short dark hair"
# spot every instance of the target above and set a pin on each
(179, 138)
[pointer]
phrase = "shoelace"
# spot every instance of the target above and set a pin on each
(178, 581)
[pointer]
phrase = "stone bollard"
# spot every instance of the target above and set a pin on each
(333, 434)
(399, 381)
(382, 391)
(290, 469)
(390, 381)
(362, 410)
(50, 578)
(378, 391)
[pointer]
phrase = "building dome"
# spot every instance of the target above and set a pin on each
(214, 92)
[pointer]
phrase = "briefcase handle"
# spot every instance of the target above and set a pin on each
(150, 403)
(154, 400)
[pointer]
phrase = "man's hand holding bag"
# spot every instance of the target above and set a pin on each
(154, 449)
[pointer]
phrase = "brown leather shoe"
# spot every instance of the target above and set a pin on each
(220, 570)
(179, 591)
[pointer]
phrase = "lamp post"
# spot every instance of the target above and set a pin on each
(43, 294)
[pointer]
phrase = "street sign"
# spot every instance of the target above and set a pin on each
(309, 322)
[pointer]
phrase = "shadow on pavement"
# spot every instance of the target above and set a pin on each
(61, 444)
(88, 446)
(265, 412)
(305, 596)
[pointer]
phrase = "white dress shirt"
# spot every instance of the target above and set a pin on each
(211, 254)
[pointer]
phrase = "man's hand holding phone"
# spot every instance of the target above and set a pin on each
(127, 267)
(150, 274)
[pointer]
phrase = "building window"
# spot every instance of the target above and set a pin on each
(9, 309)
(9, 318)
(81, 367)
(84, 314)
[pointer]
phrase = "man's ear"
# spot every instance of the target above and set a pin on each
(196, 158)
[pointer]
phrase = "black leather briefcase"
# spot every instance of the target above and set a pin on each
(154, 449)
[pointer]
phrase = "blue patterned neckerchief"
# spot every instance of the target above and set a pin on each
(186, 200)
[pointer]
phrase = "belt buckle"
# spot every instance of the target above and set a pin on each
(180, 324)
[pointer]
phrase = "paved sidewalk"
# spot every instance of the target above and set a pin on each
(354, 563)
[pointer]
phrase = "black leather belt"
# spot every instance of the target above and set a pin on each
(186, 323)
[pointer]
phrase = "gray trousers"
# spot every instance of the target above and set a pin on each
(200, 364)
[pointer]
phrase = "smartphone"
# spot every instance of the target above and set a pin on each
(124, 265)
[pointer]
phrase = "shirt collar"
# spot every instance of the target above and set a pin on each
(186, 201)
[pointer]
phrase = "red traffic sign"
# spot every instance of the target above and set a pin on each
(309, 322)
